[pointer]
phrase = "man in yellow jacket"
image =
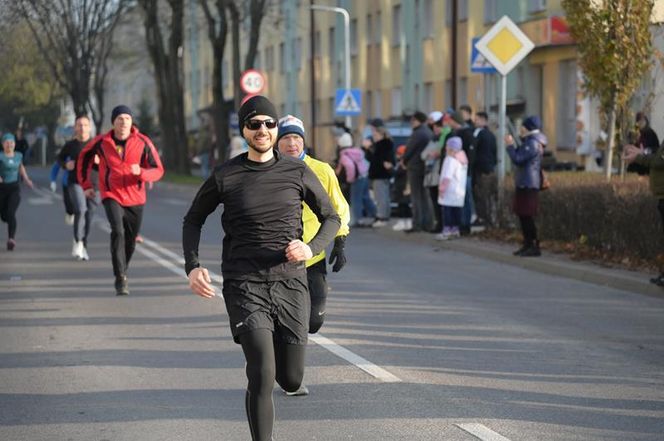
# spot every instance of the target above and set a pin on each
(290, 141)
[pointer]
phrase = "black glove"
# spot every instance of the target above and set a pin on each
(337, 256)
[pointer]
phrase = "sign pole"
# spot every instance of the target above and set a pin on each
(501, 140)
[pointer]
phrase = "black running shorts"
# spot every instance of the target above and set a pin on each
(282, 306)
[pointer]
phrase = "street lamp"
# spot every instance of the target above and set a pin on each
(343, 12)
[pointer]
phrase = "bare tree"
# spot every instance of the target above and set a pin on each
(217, 18)
(166, 55)
(74, 37)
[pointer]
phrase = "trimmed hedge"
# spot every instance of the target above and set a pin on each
(616, 217)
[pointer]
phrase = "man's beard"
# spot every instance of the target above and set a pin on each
(259, 149)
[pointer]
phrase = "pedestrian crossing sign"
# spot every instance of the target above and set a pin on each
(348, 102)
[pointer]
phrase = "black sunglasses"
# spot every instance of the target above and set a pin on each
(255, 124)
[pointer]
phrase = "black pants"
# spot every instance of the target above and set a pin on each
(10, 198)
(69, 203)
(316, 279)
(267, 360)
(437, 209)
(125, 224)
(528, 229)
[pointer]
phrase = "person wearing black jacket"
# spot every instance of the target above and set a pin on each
(81, 205)
(647, 138)
(380, 154)
(412, 160)
(263, 258)
(484, 181)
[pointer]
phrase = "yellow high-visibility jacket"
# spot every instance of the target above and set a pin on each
(330, 183)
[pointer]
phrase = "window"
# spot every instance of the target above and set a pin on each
(463, 90)
(463, 10)
(448, 12)
(536, 6)
(396, 101)
(416, 98)
(396, 25)
(282, 58)
(330, 106)
(353, 36)
(566, 121)
(378, 29)
(448, 93)
(427, 19)
(269, 59)
(367, 104)
(490, 11)
(331, 46)
(297, 55)
(225, 74)
(257, 60)
(427, 98)
(317, 51)
(369, 31)
(378, 104)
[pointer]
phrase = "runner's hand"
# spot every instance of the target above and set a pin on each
(53, 186)
(298, 251)
(70, 165)
(200, 283)
(338, 255)
(29, 183)
(90, 193)
(135, 169)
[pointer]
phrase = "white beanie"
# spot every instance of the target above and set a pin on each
(345, 140)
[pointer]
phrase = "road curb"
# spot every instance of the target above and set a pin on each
(549, 263)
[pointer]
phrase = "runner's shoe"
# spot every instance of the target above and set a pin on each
(139, 239)
(121, 286)
(301, 392)
(11, 244)
(69, 219)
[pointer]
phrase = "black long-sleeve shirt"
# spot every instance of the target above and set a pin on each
(70, 152)
(262, 214)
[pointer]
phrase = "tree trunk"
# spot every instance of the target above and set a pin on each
(612, 140)
(235, 40)
(168, 76)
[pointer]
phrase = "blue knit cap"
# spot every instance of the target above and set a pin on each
(532, 123)
(290, 124)
(119, 110)
(8, 137)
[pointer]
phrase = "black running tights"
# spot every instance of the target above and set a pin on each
(268, 360)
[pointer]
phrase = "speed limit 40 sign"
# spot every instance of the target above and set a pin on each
(252, 82)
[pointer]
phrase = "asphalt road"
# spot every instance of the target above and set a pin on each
(421, 343)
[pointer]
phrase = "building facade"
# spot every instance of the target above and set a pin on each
(405, 55)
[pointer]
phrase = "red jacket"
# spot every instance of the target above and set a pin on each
(115, 178)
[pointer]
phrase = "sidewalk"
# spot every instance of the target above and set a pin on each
(549, 263)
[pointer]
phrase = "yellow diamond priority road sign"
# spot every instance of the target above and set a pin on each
(504, 46)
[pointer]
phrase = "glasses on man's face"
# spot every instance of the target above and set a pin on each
(255, 124)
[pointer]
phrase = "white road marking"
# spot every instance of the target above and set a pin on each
(340, 351)
(40, 201)
(173, 201)
(481, 432)
(355, 359)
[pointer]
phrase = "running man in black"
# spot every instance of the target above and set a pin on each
(263, 259)
(82, 205)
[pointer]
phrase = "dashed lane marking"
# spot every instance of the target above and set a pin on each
(481, 432)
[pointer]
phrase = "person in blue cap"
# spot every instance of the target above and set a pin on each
(11, 167)
(527, 158)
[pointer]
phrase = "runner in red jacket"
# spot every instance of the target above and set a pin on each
(127, 161)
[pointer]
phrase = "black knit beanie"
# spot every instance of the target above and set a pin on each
(119, 110)
(256, 105)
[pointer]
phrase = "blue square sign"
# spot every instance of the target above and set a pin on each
(348, 102)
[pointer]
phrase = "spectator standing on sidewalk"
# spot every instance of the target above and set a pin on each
(401, 194)
(355, 168)
(433, 156)
(412, 161)
(527, 159)
(485, 186)
(654, 162)
(452, 187)
(647, 139)
(380, 153)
